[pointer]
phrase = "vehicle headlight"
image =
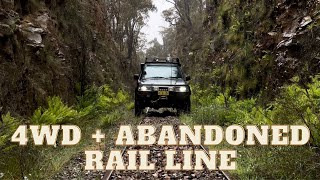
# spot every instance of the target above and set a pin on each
(145, 88)
(182, 89)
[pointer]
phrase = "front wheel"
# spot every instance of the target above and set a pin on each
(137, 108)
(185, 107)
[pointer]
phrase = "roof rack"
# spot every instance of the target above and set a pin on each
(163, 60)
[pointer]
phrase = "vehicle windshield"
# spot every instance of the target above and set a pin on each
(162, 71)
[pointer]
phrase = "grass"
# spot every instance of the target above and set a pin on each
(100, 108)
(53, 159)
(292, 106)
(275, 162)
(263, 162)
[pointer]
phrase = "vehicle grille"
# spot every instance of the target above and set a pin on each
(163, 89)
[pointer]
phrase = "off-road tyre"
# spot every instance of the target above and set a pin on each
(184, 108)
(138, 110)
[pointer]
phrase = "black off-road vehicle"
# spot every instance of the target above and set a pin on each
(162, 84)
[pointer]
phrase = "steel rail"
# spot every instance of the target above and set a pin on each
(109, 173)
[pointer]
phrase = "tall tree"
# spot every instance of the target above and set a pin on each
(127, 19)
(155, 50)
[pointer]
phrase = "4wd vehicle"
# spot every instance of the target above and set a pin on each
(162, 84)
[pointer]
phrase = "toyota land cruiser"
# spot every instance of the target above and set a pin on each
(162, 84)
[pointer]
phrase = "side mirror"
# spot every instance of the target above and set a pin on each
(136, 76)
(188, 78)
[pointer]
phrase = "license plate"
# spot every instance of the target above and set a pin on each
(163, 93)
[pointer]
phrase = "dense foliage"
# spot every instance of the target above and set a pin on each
(99, 107)
(61, 48)
(294, 105)
(259, 58)
(252, 62)
(245, 47)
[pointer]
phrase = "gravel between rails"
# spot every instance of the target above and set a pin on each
(157, 156)
(75, 168)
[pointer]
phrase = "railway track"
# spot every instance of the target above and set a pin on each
(158, 157)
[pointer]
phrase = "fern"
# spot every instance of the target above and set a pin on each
(295, 105)
(102, 99)
(56, 113)
(7, 128)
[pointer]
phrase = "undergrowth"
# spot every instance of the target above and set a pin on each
(295, 105)
(99, 107)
